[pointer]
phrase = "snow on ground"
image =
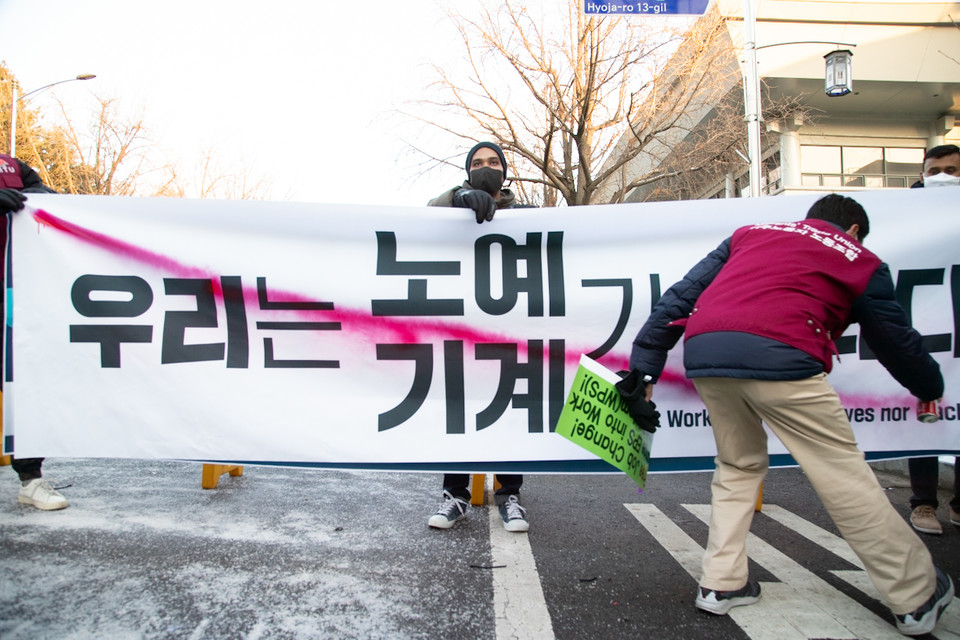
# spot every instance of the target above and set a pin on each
(144, 552)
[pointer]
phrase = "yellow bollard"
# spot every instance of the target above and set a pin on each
(478, 483)
(760, 499)
(4, 460)
(210, 476)
(477, 494)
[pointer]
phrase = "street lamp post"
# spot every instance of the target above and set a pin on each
(13, 104)
(751, 94)
(838, 81)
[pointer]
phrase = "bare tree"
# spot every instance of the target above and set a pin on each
(35, 144)
(112, 154)
(240, 183)
(590, 107)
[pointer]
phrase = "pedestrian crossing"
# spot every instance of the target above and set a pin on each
(802, 605)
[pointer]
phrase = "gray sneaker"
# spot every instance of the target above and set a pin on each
(450, 511)
(923, 620)
(720, 602)
(513, 515)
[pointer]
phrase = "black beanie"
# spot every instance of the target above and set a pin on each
(488, 145)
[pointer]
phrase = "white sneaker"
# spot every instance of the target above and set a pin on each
(451, 511)
(513, 515)
(41, 495)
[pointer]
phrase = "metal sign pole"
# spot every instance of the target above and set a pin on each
(751, 94)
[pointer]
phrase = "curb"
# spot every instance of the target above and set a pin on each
(899, 468)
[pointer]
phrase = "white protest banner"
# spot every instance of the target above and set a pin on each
(402, 338)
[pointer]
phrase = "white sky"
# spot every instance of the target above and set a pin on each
(302, 91)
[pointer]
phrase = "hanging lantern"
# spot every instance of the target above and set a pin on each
(839, 81)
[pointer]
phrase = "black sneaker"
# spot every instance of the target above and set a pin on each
(720, 602)
(513, 515)
(451, 510)
(924, 619)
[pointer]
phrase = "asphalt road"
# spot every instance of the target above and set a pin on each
(144, 552)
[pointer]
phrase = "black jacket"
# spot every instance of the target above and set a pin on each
(507, 199)
(31, 179)
(28, 179)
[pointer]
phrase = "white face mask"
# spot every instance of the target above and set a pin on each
(941, 180)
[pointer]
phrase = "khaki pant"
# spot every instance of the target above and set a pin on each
(806, 415)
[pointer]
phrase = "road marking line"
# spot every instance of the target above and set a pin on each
(671, 537)
(765, 621)
(819, 536)
(823, 606)
(519, 608)
(949, 625)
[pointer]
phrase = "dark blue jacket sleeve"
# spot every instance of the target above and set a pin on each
(656, 337)
(31, 180)
(898, 346)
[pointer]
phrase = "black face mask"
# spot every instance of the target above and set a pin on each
(487, 179)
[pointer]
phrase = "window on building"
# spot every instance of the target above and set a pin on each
(906, 162)
(871, 167)
(862, 166)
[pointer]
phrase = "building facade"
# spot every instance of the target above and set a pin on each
(905, 94)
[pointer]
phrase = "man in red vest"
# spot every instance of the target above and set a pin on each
(16, 179)
(760, 315)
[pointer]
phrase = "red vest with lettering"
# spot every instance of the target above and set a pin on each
(794, 282)
(10, 173)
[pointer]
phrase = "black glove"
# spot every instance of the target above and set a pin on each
(481, 202)
(633, 391)
(11, 200)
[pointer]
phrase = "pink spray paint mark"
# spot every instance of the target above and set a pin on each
(352, 320)
(406, 332)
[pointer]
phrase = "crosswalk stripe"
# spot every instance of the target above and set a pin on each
(819, 536)
(824, 606)
(671, 537)
(520, 610)
(801, 605)
(771, 624)
(949, 625)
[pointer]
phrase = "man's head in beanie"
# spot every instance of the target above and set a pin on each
(486, 167)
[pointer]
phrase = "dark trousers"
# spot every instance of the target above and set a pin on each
(27, 468)
(458, 484)
(924, 480)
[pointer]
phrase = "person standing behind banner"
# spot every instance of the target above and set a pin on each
(16, 179)
(759, 316)
(941, 168)
(484, 194)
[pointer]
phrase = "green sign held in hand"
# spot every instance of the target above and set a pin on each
(595, 418)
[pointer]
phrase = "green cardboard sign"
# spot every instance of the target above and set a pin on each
(596, 418)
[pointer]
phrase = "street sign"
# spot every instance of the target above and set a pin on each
(649, 8)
